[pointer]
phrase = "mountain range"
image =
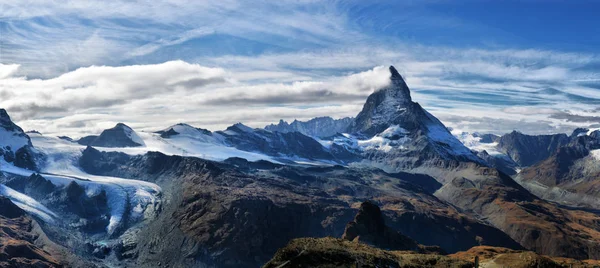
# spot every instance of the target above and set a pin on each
(391, 178)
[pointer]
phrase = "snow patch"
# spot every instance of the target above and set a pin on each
(392, 137)
(133, 136)
(28, 204)
(474, 143)
(12, 140)
(595, 154)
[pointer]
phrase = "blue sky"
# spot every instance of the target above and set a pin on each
(489, 66)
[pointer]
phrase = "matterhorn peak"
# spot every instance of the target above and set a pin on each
(383, 107)
(395, 73)
(398, 88)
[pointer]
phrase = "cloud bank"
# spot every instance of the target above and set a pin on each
(77, 67)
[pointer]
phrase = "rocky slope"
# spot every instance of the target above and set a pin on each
(369, 227)
(17, 239)
(537, 225)
(332, 252)
(316, 127)
(570, 175)
(527, 150)
(23, 242)
(238, 213)
(371, 242)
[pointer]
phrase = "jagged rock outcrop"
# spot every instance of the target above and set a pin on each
(369, 227)
(283, 144)
(317, 127)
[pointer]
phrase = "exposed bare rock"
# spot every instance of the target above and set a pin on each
(17, 240)
(332, 252)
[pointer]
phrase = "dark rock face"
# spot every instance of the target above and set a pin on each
(577, 132)
(369, 227)
(66, 138)
(119, 136)
(316, 127)
(9, 210)
(527, 150)
(87, 140)
(35, 186)
(95, 162)
(27, 158)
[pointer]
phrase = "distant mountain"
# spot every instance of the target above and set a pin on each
(317, 127)
(281, 144)
(527, 150)
(183, 129)
(119, 136)
(571, 175)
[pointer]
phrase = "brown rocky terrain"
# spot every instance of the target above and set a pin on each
(536, 224)
(18, 239)
(334, 252)
(570, 176)
(239, 213)
(369, 243)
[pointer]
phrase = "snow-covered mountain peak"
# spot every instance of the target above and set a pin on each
(392, 106)
(119, 136)
(237, 127)
(12, 137)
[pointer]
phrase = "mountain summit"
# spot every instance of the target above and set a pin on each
(417, 136)
(385, 107)
(119, 136)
